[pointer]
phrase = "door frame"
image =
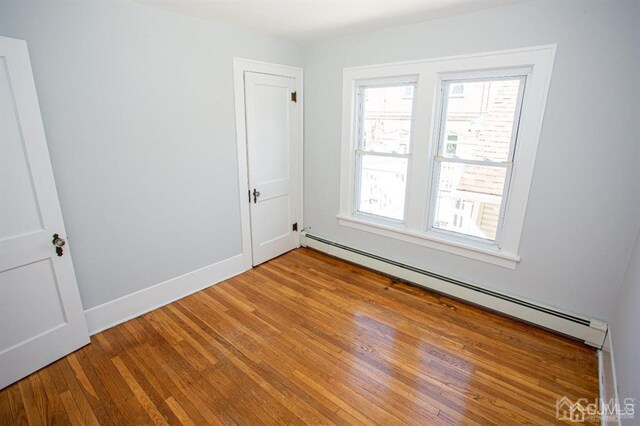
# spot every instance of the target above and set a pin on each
(240, 66)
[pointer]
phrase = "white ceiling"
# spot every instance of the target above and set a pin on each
(304, 21)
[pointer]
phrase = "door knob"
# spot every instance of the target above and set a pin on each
(256, 194)
(58, 243)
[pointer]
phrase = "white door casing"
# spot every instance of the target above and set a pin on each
(41, 315)
(273, 154)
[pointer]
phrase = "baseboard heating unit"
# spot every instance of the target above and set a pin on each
(591, 331)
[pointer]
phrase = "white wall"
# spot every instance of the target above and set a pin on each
(138, 110)
(584, 198)
(625, 333)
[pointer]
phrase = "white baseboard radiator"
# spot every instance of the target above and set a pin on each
(591, 331)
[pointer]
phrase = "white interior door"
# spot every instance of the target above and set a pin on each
(41, 315)
(273, 149)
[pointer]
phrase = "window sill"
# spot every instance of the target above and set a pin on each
(472, 251)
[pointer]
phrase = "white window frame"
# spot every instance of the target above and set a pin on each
(359, 139)
(440, 145)
(535, 63)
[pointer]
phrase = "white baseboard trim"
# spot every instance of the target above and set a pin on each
(607, 383)
(117, 311)
(591, 331)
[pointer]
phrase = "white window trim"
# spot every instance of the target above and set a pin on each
(537, 60)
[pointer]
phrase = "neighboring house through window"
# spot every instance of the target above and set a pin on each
(384, 148)
(476, 171)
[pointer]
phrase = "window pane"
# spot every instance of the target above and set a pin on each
(469, 199)
(479, 119)
(382, 186)
(387, 118)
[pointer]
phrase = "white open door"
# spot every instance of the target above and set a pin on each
(273, 117)
(41, 315)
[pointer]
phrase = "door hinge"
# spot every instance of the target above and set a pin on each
(295, 226)
(249, 191)
(294, 96)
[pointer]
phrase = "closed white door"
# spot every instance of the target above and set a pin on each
(41, 316)
(273, 149)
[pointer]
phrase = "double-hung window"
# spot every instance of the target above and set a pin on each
(383, 149)
(440, 153)
(476, 141)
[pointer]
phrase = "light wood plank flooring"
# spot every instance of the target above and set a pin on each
(308, 339)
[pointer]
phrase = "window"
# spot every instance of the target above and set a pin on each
(451, 147)
(457, 89)
(444, 158)
(383, 149)
(477, 169)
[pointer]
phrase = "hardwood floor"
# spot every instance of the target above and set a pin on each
(307, 338)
